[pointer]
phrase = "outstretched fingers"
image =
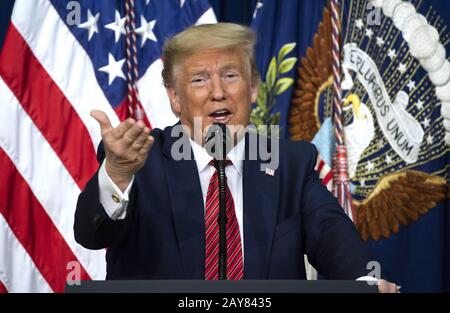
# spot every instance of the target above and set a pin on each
(137, 144)
(146, 146)
(120, 131)
(132, 133)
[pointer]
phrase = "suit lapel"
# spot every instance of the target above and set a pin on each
(188, 209)
(260, 212)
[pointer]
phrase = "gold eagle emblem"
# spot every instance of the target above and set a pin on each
(398, 198)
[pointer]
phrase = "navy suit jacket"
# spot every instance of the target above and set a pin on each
(163, 235)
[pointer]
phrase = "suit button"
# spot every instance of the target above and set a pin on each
(115, 198)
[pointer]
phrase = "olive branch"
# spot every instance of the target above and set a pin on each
(274, 86)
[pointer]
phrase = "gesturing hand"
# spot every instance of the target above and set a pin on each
(387, 287)
(126, 147)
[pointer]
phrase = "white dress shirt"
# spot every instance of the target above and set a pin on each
(115, 202)
(234, 177)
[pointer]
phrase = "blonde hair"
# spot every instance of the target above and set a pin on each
(221, 36)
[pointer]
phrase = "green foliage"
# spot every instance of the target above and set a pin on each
(271, 73)
(283, 84)
(285, 50)
(287, 65)
(274, 86)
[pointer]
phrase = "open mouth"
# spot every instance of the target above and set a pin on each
(221, 116)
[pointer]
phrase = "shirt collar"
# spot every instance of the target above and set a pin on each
(202, 158)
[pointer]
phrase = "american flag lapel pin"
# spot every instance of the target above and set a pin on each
(270, 172)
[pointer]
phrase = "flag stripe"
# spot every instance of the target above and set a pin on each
(327, 178)
(325, 172)
(23, 213)
(64, 59)
(320, 166)
(35, 90)
(3, 288)
(207, 18)
(18, 272)
(51, 184)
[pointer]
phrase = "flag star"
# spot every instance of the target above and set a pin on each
(380, 144)
(411, 85)
(118, 26)
(426, 122)
(392, 54)
(146, 30)
(419, 104)
(90, 24)
(359, 23)
(430, 140)
(259, 5)
(370, 166)
(182, 3)
(362, 182)
(388, 159)
(402, 68)
(147, 2)
(380, 42)
(369, 33)
(113, 69)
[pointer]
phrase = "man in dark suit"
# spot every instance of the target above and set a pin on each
(157, 214)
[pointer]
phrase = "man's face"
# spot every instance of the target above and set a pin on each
(213, 86)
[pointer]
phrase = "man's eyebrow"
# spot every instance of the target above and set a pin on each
(231, 66)
(193, 71)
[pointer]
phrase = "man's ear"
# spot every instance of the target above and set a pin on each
(254, 92)
(174, 103)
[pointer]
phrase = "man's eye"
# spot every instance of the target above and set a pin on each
(231, 76)
(198, 81)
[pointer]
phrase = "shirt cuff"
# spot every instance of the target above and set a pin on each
(113, 200)
(368, 278)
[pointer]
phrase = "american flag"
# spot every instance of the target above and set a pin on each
(54, 69)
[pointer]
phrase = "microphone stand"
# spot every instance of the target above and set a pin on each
(220, 135)
(220, 167)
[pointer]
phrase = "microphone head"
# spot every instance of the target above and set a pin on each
(218, 141)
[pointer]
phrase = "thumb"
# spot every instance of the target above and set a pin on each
(102, 119)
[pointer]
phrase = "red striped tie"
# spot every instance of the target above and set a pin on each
(235, 266)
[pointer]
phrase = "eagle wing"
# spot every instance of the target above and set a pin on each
(315, 73)
(400, 197)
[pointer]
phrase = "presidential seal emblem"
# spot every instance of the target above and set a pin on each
(396, 91)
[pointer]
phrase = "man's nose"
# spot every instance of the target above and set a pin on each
(217, 90)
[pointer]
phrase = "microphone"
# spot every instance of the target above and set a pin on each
(218, 144)
(218, 141)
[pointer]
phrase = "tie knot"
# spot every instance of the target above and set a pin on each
(227, 162)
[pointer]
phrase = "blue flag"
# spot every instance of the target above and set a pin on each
(285, 29)
(396, 87)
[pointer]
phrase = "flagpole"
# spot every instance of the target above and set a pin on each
(134, 106)
(341, 186)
